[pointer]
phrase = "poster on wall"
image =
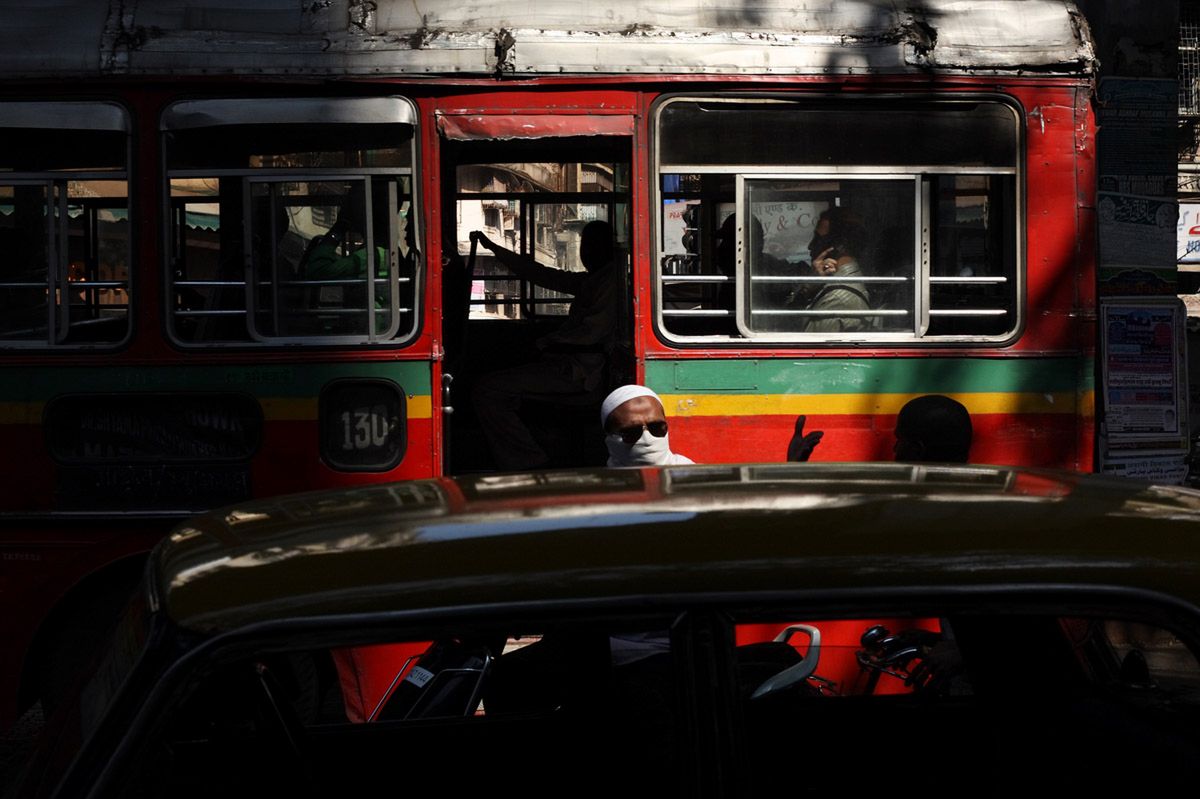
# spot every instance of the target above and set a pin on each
(1136, 180)
(1143, 384)
(1187, 234)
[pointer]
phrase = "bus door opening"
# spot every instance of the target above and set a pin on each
(533, 199)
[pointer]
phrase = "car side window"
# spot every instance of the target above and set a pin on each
(998, 701)
(466, 705)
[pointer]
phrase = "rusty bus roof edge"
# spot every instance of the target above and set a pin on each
(389, 38)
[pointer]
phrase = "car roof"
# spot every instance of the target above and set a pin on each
(610, 535)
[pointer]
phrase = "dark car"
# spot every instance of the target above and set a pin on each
(852, 630)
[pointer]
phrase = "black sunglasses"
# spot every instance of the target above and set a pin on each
(631, 434)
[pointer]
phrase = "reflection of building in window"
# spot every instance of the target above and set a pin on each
(514, 204)
(242, 264)
(939, 254)
(76, 292)
(1188, 243)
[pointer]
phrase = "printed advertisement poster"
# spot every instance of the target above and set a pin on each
(1143, 375)
(1137, 231)
(1137, 153)
(1187, 234)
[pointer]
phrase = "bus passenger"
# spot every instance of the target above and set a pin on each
(835, 247)
(771, 295)
(933, 429)
(341, 252)
(929, 429)
(572, 358)
(635, 427)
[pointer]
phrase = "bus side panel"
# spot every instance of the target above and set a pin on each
(1024, 410)
(1086, 288)
(42, 563)
(167, 441)
(178, 439)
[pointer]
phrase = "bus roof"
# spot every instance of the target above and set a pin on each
(350, 38)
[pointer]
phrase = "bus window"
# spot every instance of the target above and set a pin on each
(64, 225)
(819, 221)
(292, 220)
(510, 204)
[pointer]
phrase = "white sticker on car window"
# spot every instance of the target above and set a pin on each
(419, 676)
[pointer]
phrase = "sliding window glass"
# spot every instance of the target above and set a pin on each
(292, 221)
(826, 221)
(64, 224)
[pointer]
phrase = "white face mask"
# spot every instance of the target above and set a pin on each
(649, 450)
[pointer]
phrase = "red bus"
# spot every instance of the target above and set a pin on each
(237, 246)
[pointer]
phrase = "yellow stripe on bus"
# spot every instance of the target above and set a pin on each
(864, 404)
(21, 412)
(305, 410)
(274, 410)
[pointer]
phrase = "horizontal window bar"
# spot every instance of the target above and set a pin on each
(544, 197)
(880, 312)
(232, 312)
(309, 174)
(518, 301)
(696, 278)
(61, 177)
(347, 281)
(826, 279)
(697, 312)
(194, 284)
(97, 284)
(327, 311)
(968, 312)
(987, 280)
(882, 170)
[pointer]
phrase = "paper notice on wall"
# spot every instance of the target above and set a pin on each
(1137, 232)
(1164, 470)
(1144, 375)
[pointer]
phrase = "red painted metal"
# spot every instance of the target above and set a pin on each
(501, 127)
(1059, 228)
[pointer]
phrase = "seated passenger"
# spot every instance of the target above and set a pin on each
(338, 262)
(572, 357)
(341, 252)
(765, 294)
(835, 248)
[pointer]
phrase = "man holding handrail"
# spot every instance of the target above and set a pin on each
(572, 358)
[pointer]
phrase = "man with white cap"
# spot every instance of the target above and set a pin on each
(635, 427)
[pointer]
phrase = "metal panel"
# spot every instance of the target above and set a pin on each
(64, 116)
(469, 127)
(293, 111)
(392, 37)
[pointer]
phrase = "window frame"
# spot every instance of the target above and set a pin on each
(923, 236)
(194, 114)
(743, 280)
(106, 116)
(528, 300)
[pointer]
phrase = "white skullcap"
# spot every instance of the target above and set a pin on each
(622, 395)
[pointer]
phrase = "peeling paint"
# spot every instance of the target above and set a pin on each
(1036, 113)
(504, 52)
(395, 37)
(361, 14)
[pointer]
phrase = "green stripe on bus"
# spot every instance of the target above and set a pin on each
(268, 380)
(870, 375)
